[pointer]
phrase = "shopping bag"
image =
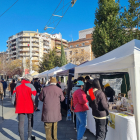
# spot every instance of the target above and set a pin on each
(14, 99)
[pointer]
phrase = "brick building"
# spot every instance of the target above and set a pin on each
(80, 50)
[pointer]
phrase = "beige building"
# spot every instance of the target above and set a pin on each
(80, 50)
(31, 46)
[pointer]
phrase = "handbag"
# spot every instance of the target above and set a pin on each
(14, 99)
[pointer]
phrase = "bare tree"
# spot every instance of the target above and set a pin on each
(80, 55)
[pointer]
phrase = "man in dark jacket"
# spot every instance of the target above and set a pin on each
(12, 86)
(51, 97)
(87, 84)
(99, 105)
(37, 87)
(109, 92)
(4, 87)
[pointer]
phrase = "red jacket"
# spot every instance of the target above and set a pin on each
(80, 101)
(25, 97)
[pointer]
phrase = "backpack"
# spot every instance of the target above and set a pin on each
(72, 107)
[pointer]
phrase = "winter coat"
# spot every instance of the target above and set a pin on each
(4, 85)
(37, 86)
(1, 88)
(80, 101)
(51, 97)
(73, 90)
(12, 86)
(109, 93)
(87, 86)
(99, 105)
(25, 97)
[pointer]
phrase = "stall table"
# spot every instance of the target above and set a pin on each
(125, 128)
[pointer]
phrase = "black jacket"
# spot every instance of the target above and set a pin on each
(109, 93)
(87, 86)
(99, 105)
(12, 86)
(37, 87)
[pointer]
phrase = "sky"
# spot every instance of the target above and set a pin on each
(30, 15)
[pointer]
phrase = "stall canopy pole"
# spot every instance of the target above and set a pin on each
(68, 90)
(134, 74)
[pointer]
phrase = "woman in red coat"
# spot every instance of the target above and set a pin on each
(80, 109)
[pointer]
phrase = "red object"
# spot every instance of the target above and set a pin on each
(28, 44)
(80, 101)
(24, 92)
(91, 94)
(26, 71)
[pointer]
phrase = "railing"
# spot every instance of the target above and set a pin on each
(47, 47)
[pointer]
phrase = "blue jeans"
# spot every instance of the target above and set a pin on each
(81, 124)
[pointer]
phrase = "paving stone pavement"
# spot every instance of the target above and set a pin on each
(9, 127)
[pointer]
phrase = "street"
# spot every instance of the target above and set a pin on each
(9, 126)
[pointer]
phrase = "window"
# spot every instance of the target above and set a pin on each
(77, 45)
(70, 52)
(71, 46)
(65, 53)
(83, 44)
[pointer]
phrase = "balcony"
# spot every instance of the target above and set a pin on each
(35, 45)
(46, 51)
(13, 56)
(24, 50)
(25, 45)
(24, 40)
(36, 55)
(35, 41)
(47, 47)
(35, 59)
(58, 42)
(24, 55)
(14, 47)
(35, 50)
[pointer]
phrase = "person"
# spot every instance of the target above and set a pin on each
(109, 92)
(74, 88)
(1, 91)
(80, 108)
(87, 84)
(51, 97)
(98, 103)
(18, 80)
(4, 87)
(12, 86)
(58, 84)
(25, 104)
(37, 87)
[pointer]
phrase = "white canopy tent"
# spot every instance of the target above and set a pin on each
(123, 59)
(65, 67)
(45, 73)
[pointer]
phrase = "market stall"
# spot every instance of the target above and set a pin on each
(123, 59)
(123, 127)
(63, 68)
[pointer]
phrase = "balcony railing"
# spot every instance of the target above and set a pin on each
(24, 40)
(47, 47)
(24, 50)
(35, 50)
(46, 51)
(35, 55)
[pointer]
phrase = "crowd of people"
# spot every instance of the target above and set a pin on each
(29, 91)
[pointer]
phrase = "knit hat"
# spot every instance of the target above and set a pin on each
(53, 80)
(107, 85)
(80, 83)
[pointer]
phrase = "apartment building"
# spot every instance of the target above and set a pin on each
(80, 50)
(31, 45)
(56, 40)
